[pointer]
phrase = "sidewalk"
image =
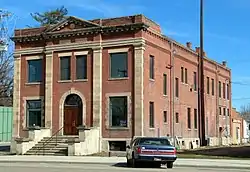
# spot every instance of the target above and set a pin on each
(209, 163)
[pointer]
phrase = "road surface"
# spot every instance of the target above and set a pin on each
(49, 167)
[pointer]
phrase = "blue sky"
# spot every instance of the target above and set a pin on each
(226, 32)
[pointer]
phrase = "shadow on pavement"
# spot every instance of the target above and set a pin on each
(234, 152)
(124, 165)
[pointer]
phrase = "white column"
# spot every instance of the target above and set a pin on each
(139, 89)
(16, 96)
(48, 89)
(97, 92)
(97, 87)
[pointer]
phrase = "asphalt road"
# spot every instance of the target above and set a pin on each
(42, 167)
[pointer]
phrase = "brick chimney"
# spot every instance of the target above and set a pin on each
(224, 63)
(197, 49)
(189, 45)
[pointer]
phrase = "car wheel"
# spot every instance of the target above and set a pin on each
(170, 164)
(157, 165)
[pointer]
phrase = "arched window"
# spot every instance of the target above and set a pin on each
(73, 100)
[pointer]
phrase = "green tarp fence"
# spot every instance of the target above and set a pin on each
(6, 120)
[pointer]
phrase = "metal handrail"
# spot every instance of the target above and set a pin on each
(48, 141)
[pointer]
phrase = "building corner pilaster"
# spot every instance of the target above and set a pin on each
(139, 88)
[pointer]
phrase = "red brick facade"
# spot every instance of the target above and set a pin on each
(155, 44)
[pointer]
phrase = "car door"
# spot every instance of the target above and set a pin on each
(130, 150)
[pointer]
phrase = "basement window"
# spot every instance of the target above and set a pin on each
(117, 145)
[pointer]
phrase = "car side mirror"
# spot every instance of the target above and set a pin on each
(128, 147)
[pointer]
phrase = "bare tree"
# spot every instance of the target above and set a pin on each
(245, 112)
(6, 79)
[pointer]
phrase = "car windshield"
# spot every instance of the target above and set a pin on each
(154, 141)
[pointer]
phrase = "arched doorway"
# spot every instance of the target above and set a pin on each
(72, 114)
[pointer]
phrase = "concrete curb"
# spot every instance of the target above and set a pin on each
(124, 164)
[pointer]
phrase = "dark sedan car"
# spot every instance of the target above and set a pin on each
(154, 150)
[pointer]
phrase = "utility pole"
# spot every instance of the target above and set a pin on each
(201, 103)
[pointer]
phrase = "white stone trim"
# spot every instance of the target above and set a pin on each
(33, 57)
(81, 45)
(129, 108)
(97, 91)
(25, 99)
(78, 53)
(49, 90)
(65, 54)
(139, 89)
(16, 97)
(61, 107)
(118, 50)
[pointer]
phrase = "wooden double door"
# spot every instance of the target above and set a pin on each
(72, 119)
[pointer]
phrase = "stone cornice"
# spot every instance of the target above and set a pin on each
(78, 32)
(80, 46)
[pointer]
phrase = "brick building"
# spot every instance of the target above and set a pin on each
(236, 127)
(117, 75)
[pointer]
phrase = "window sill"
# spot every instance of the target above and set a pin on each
(34, 128)
(118, 128)
(151, 128)
(165, 96)
(64, 81)
(33, 83)
(152, 80)
(122, 78)
(165, 123)
(189, 129)
(81, 80)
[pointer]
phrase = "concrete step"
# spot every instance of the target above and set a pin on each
(48, 148)
(46, 153)
(52, 144)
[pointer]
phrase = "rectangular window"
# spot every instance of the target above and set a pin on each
(213, 87)
(224, 111)
(189, 118)
(151, 67)
(186, 76)
(176, 87)
(224, 90)
(208, 85)
(65, 68)
(228, 91)
(220, 111)
(195, 81)
(34, 113)
(151, 115)
(177, 117)
(182, 74)
(219, 89)
(118, 111)
(195, 119)
(81, 67)
(119, 65)
(35, 70)
(164, 84)
(165, 117)
(228, 112)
